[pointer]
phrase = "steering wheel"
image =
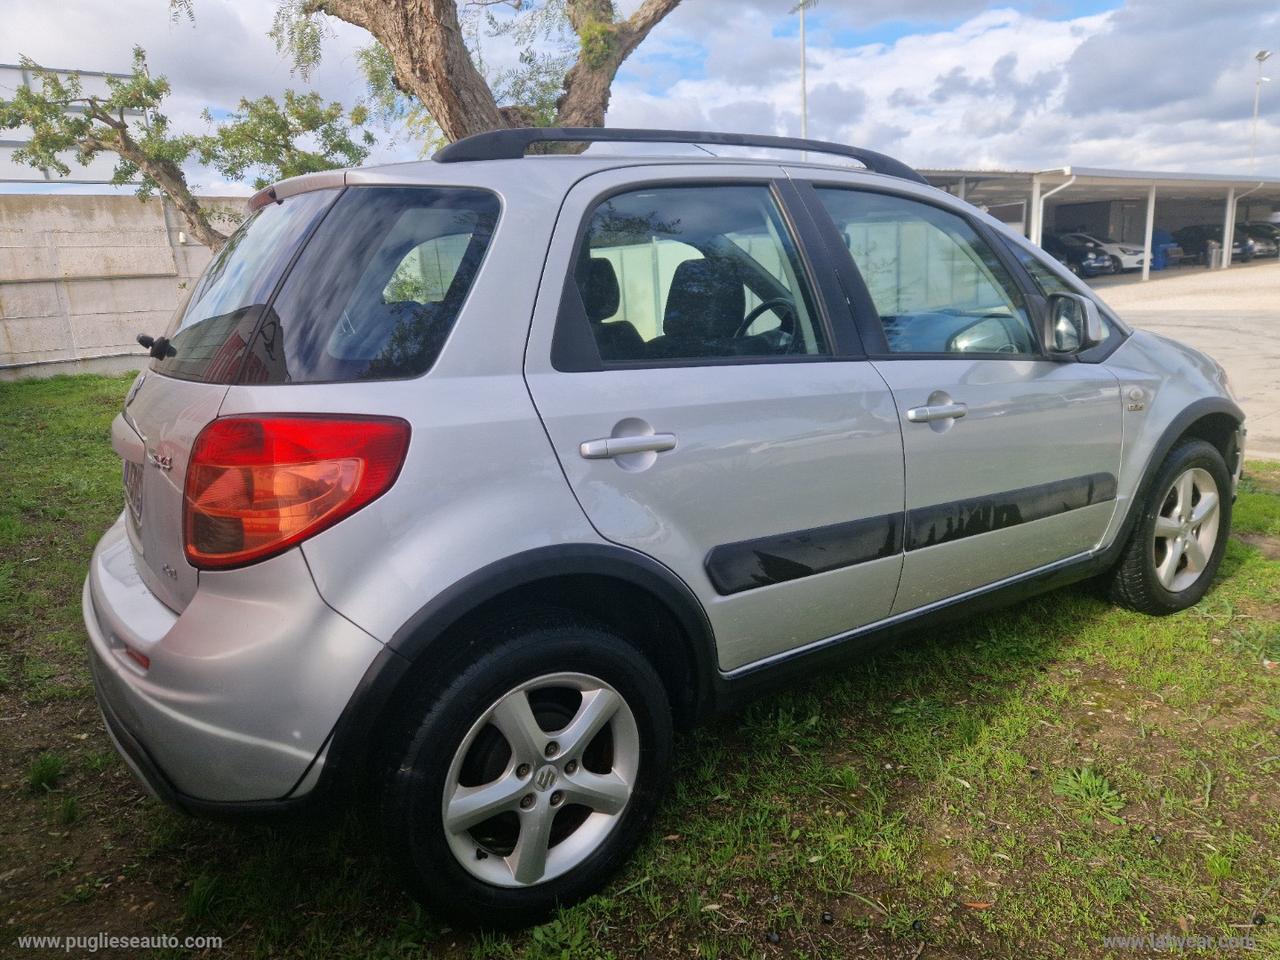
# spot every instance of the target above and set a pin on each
(785, 314)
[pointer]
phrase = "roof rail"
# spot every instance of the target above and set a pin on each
(512, 144)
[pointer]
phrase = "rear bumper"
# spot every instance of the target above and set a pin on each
(243, 688)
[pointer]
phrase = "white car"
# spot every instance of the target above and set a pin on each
(1123, 256)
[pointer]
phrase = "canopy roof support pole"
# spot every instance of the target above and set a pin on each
(1039, 199)
(1033, 215)
(1229, 228)
(1151, 222)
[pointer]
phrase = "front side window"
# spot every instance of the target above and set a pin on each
(694, 273)
(936, 284)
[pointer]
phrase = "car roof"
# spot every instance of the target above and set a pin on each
(486, 160)
(547, 171)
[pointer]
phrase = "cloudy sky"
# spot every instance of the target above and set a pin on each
(1151, 84)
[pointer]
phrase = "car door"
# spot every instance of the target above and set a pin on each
(706, 409)
(1011, 455)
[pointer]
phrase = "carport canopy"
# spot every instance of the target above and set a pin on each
(1030, 189)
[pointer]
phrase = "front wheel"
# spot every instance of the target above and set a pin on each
(523, 783)
(1178, 541)
(1117, 265)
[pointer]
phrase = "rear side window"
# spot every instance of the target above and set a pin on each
(214, 324)
(377, 290)
(699, 273)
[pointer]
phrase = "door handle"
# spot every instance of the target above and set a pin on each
(939, 411)
(621, 446)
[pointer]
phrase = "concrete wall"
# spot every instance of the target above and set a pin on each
(82, 276)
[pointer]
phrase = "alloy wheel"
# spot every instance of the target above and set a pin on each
(540, 779)
(1186, 529)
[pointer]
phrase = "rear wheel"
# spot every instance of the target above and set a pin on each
(1178, 542)
(523, 783)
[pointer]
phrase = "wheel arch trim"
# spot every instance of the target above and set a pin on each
(416, 640)
(1175, 430)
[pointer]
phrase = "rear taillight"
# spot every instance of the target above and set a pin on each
(258, 485)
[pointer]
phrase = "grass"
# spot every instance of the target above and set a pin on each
(1022, 784)
(45, 771)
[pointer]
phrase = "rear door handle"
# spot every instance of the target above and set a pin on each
(939, 411)
(620, 446)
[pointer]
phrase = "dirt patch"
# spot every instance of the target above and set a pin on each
(1268, 546)
(1265, 475)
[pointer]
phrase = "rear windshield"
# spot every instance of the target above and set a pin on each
(373, 295)
(214, 324)
(377, 289)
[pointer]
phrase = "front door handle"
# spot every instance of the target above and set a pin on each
(621, 446)
(938, 411)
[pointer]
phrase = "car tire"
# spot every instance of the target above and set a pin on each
(490, 873)
(1178, 541)
(1116, 265)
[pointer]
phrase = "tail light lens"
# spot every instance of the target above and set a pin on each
(258, 485)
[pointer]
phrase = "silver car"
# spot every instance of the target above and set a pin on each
(471, 481)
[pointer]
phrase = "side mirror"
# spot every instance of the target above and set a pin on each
(1073, 323)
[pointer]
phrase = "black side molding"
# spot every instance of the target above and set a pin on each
(747, 564)
(734, 567)
(944, 522)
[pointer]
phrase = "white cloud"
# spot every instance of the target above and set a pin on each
(1157, 83)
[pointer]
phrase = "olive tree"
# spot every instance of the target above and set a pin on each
(425, 54)
(264, 136)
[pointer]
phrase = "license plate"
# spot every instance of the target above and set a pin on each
(133, 487)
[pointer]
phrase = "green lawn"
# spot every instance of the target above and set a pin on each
(1024, 784)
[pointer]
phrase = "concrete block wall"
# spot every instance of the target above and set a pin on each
(81, 276)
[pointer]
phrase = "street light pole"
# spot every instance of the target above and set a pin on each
(804, 88)
(800, 8)
(1261, 56)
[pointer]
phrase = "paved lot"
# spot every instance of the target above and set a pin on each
(1233, 315)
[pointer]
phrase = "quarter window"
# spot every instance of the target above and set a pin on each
(1047, 280)
(694, 273)
(376, 292)
(937, 286)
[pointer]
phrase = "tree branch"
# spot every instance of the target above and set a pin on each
(588, 83)
(649, 15)
(173, 183)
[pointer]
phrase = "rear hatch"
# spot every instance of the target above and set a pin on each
(206, 351)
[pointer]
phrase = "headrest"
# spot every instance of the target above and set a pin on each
(706, 300)
(598, 285)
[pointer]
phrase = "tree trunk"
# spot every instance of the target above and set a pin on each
(173, 184)
(433, 63)
(431, 59)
